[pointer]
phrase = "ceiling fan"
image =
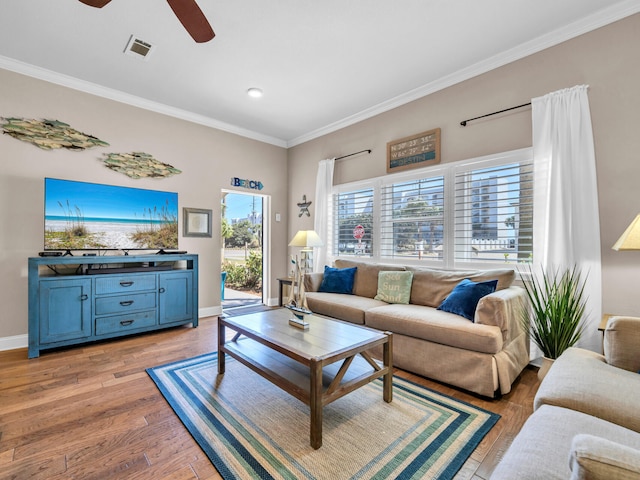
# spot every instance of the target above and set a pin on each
(187, 12)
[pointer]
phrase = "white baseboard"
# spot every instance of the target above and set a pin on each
(22, 341)
(210, 311)
(12, 343)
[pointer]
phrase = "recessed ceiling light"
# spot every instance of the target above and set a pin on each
(254, 92)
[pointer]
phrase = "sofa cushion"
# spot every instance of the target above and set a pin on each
(597, 458)
(350, 308)
(542, 448)
(435, 326)
(337, 280)
(366, 280)
(430, 287)
(394, 287)
(465, 297)
(621, 340)
(582, 380)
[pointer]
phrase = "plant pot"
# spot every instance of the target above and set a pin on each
(544, 368)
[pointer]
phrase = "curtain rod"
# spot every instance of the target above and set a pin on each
(352, 154)
(464, 122)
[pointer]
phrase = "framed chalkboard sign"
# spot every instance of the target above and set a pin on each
(416, 151)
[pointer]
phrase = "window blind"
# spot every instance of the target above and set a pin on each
(412, 218)
(494, 213)
(353, 233)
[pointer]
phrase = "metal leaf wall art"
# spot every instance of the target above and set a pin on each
(49, 134)
(139, 165)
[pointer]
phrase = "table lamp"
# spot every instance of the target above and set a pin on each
(307, 239)
(630, 239)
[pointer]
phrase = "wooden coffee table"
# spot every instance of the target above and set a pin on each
(317, 366)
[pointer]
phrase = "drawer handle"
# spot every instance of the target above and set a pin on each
(126, 303)
(84, 297)
(126, 284)
(161, 290)
(126, 323)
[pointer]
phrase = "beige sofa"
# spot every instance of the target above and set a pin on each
(483, 356)
(586, 421)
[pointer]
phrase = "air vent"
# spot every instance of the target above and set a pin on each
(138, 48)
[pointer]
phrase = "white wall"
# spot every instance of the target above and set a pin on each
(605, 59)
(207, 157)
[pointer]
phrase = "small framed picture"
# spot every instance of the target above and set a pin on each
(196, 222)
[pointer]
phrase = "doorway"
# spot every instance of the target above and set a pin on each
(242, 253)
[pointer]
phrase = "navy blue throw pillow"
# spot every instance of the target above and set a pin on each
(464, 298)
(338, 280)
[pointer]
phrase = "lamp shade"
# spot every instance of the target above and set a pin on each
(630, 239)
(306, 238)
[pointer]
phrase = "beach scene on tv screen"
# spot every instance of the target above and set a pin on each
(91, 216)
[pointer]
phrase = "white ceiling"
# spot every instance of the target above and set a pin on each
(323, 64)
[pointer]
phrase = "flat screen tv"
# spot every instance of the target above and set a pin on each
(91, 216)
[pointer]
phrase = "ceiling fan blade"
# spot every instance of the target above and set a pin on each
(95, 3)
(192, 19)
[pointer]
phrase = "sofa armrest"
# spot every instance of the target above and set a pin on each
(312, 281)
(622, 343)
(597, 458)
(503, 309)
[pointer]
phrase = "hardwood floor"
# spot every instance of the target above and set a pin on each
(91, 412)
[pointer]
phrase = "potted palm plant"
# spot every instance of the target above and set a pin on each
(554, 317)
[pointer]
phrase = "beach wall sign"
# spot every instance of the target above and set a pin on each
(421, 150)
(245, 183)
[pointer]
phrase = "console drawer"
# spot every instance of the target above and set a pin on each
(125, 303)
(123, 323)
(125, 283)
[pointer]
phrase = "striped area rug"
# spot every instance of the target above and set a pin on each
(250, 428)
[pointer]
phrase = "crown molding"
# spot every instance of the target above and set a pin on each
(118, 96)
(600, 19)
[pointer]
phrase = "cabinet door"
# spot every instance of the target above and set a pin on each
(176, 296)
(65, 309)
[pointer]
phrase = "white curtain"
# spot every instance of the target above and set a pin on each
(566, 222)
(324, 185)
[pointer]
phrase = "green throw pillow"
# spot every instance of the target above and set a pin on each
(394, 287)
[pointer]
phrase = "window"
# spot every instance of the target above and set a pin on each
(354, 213)
(494, 212)
(412, 218)
(476, 211)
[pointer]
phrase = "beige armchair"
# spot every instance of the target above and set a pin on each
(605, 386)
(585, 423)
(622, 343)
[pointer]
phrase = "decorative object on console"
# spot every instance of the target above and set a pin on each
(196, 222)
(307, 239)
(49, 134)
(630, 239)
(139, 165)
(554, 317)
(304, 206)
